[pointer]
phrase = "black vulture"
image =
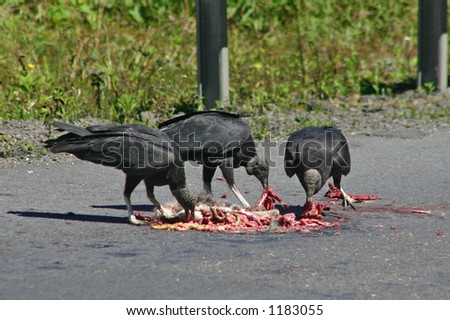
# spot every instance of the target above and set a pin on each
(218, 139)
(142, 153)
(315, 154)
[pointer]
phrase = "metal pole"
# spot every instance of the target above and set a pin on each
(433, 48)
(212, 52)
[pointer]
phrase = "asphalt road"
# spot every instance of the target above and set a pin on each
(383, 251)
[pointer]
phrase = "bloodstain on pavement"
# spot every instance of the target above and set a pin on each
(337, 194)
(422, 211)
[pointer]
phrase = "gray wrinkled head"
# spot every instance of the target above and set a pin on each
(260, 169)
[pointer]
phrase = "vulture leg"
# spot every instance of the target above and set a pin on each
(151, 196)
(228, 174)
(347, 200)
(208, 174)
(131, 183)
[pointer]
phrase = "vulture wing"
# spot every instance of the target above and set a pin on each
(207, 133)
(322, 148)
(133, 149)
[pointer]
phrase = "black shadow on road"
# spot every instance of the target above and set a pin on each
(139, 207)
(70, 216)
(297, 209)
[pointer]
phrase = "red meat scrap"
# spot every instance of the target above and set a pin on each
(313, 210)
(288, 222)
(220, 220)
(335, 193)
(268, 198)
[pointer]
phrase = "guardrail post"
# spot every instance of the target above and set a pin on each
(433, 43)
(212, 52)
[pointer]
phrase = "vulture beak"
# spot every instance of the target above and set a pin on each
(265, 183)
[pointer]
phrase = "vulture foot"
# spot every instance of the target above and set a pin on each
(348, 201)
(139, 219)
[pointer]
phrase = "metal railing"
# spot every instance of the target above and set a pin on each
(212, 51)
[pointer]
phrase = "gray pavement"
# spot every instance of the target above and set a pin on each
(383, 251)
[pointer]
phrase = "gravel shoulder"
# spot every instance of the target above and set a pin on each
(410, 115)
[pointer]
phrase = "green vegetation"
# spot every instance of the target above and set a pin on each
(116, 59)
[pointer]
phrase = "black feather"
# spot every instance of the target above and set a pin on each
(324, 149)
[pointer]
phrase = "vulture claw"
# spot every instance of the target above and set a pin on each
(347, 200)
(138, 220)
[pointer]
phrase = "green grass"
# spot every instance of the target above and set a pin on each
(115, 59)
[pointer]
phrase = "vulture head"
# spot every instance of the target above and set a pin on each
(260, 169)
